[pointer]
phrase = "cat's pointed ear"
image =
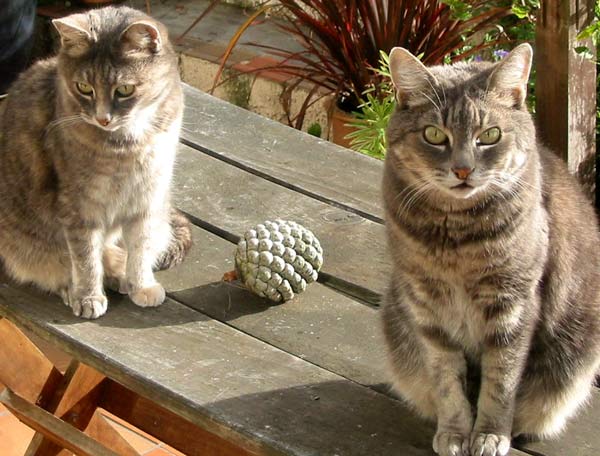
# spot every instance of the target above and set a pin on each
(75, 37)
(142, 37)
(510, 77)
(412, 80)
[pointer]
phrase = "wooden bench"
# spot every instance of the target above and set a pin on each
(215, 370)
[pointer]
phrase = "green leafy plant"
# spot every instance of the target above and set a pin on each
(374, 113)
(592, 31)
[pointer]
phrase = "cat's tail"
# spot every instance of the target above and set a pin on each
(181, 242)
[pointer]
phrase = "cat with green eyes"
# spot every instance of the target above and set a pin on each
(492, 316)
(88, 141)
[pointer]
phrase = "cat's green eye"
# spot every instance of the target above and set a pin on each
(489, 137)
(124, 90)
(85, 89)
(434, 135)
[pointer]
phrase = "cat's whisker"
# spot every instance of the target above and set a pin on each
(436, 94)
(520, 181)
(60, 126)
(61, 122)
(410, 187)
(412, 197)
(431, 100)
(417, 196)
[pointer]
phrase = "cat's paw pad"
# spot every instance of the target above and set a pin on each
(148, 297)
(489, 444)
(90, 306)
(451, 444)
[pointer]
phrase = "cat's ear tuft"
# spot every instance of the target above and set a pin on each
(412, 79)
(510, 77)
(142, 37)
(75, 37)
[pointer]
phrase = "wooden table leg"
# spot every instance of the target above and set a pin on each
(165, 425)
(74, 397)
(76, 403)
(24, 368)
(102, 431)
(60, 432)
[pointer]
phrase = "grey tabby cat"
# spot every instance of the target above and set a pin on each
(87, 144)
(493, 314)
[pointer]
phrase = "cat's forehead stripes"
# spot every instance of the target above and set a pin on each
(465, 112)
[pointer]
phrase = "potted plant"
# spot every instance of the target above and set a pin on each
(342, 39)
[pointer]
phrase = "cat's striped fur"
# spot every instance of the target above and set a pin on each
(498, 281)
(84, 178)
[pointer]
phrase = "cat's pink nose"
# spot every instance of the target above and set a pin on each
(462, 173)
(104, 120)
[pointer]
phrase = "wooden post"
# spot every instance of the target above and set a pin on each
(566, 86)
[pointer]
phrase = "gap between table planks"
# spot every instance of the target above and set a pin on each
(235, 201)
(321, 353)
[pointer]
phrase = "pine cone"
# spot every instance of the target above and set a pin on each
(277, 259)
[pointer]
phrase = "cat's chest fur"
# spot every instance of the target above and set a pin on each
(461, 317)
(128, 184)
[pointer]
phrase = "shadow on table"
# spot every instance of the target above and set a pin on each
(29, 302)
(329, 418)
(223, 301)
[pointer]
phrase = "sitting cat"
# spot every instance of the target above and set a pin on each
(496, 271)
(87, 145)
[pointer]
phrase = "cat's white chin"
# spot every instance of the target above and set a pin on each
(109, 128)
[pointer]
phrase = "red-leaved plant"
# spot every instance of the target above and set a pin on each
(342, 40)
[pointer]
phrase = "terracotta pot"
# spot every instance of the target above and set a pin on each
(339, 128)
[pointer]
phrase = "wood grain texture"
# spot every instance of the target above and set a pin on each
(101, 430)
(258, 397)
(320, 325)
(60, 432)
(566, 86)
(307, 164)
(235, 201)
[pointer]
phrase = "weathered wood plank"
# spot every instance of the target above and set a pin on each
(209, 258)
(328, 330)
(60, 432)
(235, 200)
(566, 86)
(307, 164)
(259, 397)
(319, 325)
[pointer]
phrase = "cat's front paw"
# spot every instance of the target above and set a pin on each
(451, 444)
(89, 306)
(151, 296)
(483, 444)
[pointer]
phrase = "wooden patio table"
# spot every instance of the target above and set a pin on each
(216, 370)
